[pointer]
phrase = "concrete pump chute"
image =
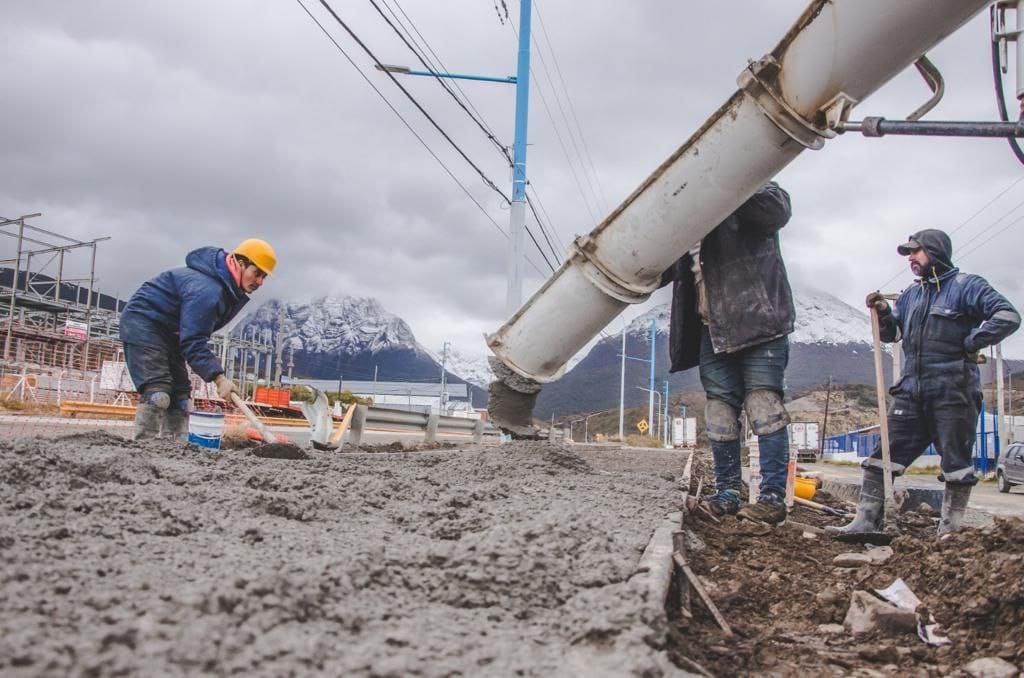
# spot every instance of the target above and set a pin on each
(836, 54)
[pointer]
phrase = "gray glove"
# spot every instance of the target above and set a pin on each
(225, 387)
(876, 301)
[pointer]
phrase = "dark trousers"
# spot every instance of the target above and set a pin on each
(948, 419)
(729, 377)
(159, 368)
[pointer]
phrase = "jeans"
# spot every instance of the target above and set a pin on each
(729, 377)
(154, 368)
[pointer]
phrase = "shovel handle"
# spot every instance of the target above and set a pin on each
(883, 419)
(264, 432)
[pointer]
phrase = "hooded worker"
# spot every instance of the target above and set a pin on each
(168, 323)
(943, 320)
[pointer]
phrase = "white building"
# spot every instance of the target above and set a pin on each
(404, 395)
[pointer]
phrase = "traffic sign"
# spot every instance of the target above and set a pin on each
(642, 426)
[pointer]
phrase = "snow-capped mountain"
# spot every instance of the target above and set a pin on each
(354, 338)
(474, 369)
(820, 319)
(830, 338)
(328, 324)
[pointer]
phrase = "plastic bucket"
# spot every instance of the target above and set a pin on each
(805, 488)
(205, 429)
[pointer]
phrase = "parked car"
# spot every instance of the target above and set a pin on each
(1010, 469)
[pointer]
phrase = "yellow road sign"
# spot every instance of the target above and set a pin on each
(642, 426)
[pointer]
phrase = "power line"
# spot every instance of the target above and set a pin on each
(971, 218)
(599, 193)
(558, 136)
(487, 132)
(441, 131)
(445, 68)
(409, 127)
(487, 180)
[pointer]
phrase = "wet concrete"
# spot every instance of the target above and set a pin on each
(158, 559)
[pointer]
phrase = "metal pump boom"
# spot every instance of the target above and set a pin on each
(836, 54)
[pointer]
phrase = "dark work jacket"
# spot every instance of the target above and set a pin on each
(183, 306)
(940, 319)
(749, 299)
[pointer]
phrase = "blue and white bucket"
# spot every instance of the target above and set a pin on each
(205, 429)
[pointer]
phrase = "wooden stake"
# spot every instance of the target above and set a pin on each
(680, 561)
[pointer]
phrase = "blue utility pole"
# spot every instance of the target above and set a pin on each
(665, 421)
(650, 401)
(517, 211)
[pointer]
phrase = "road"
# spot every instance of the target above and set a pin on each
(984, 498)
(16, 426)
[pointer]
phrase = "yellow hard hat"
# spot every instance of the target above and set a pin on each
(259, 252)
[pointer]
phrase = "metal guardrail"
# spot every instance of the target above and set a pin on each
(366, 417)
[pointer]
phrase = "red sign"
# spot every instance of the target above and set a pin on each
(73, 328)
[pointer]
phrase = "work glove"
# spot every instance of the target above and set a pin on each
(975, 357)
(876, 301)
(225, 387)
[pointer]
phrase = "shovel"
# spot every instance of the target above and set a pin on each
(889, 514)
(272, 447)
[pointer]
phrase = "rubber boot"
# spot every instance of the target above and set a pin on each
(954, 504)
(148, 418)
(176, 424)
(869, 507)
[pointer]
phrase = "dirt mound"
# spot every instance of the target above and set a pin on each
(783, 596)
(279, 451)
(157, 559)
(975, 584)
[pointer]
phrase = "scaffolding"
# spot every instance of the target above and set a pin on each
(46, 321)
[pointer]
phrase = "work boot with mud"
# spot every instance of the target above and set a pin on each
(722, 503)
(176, 424)
(869, 506)
(954, 505)
(147, 421)
(768, 509)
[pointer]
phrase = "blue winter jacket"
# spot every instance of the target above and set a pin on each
(941, 319)
(183, 307)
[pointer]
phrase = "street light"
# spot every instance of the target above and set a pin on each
(586, 425)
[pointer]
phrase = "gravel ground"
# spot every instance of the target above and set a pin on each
(160, 559)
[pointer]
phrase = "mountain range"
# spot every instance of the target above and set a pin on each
(351, 338)
(355, 337)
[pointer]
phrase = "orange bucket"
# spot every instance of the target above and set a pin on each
(805, 488)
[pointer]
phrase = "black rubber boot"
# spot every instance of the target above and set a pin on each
(148, 419)
(954, 504)
(869, 507)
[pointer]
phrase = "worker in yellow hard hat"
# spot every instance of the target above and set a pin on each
(168, 323)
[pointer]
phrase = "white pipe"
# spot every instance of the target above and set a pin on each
(837, 53)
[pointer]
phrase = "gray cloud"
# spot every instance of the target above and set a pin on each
(174, 125)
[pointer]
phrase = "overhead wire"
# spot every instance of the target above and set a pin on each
(410, 128)
(971, 218)
(370, 53)
(440, 63)
(487, 132)
(599, 192)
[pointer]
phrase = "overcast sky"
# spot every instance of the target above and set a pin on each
(172, 125)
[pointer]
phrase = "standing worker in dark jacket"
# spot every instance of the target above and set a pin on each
(168, 323)
(943, 321)
(732, 312)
